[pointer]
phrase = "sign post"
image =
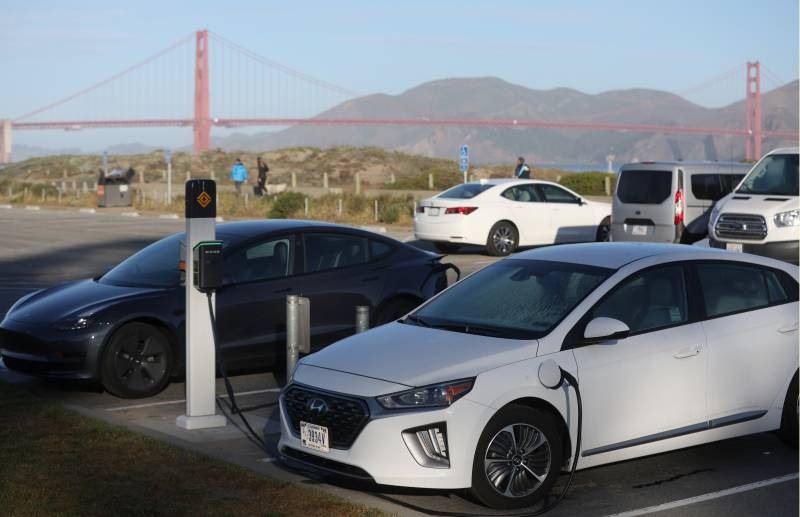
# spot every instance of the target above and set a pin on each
(464, 163)
(168, 159)
(201, 413)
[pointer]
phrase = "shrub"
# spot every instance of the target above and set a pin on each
(286, 205)
(588, 183)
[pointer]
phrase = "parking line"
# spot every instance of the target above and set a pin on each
(707, 497)
(178, 401)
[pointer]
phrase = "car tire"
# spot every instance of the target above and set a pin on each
(503, 239)
(137, 362)
(504, 476)
(394, 310)
(788, 431)
(603, 231)
(446, 247)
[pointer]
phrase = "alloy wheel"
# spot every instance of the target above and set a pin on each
(503, 239)
(517, 460)
(140, 361)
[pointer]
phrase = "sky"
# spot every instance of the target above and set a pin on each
(51, 49)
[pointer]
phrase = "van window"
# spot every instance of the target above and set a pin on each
(714, 187)
(465, 191)
(775, 175)
(644, 187)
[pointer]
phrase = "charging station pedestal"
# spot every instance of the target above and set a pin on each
(201, 378)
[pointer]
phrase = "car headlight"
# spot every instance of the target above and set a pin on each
(437, 395)
(73, 323)
(790, 218)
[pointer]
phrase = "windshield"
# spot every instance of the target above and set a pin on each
(775, 175)
(154, 266)
(465, 191)
(514, 298)
(644, 187)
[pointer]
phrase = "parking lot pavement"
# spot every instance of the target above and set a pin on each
(743, 476)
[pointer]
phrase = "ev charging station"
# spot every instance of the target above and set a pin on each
(201, 214)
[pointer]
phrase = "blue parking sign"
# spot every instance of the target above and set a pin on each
(464, 166)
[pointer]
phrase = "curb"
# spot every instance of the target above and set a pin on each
(129, 214)
(168, 216)
(5, 207)
(87, 211)
(32, 207)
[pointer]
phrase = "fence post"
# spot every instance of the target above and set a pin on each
(85, 188)
(42, 194)
(340, 207)
(391, 178)
(362, 318)
(294, 179)
(325, 180)
(376, 209)
(246, 200)
(305, 206)
(607, 182)
(358, 183)
(430, 181)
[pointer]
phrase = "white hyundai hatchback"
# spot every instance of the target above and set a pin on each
(503, 214)
(672, 346)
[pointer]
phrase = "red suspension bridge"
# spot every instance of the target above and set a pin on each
(290, 98)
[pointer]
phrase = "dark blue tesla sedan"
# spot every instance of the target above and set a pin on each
(125, 328)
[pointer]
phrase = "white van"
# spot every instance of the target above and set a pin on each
(762, 215)
(658, 201)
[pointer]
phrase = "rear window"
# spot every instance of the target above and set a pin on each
(644, 187)
(465, 191)
(714, 187)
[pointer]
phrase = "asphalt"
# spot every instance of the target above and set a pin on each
(743, 476)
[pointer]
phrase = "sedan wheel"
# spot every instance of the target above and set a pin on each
(502, 240)
(604, 231)
(137, 362)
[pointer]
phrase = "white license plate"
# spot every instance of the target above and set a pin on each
(639, 230)
(314, 436)
(733, 246)
(433, 211)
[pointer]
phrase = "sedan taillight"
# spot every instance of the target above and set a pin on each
(463, 210)
(420, 209)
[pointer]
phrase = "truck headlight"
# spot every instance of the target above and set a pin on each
(790, 218)
(437, 395)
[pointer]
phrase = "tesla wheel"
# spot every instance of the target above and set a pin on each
(137, 362)
(395, 310)
(518, 458)
(446, 247)
(603, 230)
(502, 239)
(791, 406)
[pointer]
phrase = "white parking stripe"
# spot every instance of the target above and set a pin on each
(178, 401)
(707, 497)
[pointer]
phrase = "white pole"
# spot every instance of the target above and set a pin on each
(169, 181)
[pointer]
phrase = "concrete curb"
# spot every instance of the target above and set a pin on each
(32, 207)
(129, 214)
(87, 211)
(168, 216)
(6, 207)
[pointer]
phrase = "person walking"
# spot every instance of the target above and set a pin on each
(522, 172)
(238, 175)
(263, 169)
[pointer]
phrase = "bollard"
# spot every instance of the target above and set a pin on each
(298, 321)
(376, 209)
(305, 206)
(340, 207)
(294, 179)
(362, 318)
(430, 181)
(358, 184)
(246, 200)
(607, 184)
(325, 180)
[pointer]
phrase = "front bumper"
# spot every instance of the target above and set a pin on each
(379, 453)
(36, 349)
(782, 250)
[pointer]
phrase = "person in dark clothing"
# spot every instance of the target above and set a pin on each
(522, 172)
(263, 169)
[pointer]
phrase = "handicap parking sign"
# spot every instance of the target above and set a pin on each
(464, 166)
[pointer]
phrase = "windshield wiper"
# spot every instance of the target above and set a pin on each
(416, 320)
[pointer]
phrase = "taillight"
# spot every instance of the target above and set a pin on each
(678, 207)
(420, 209)
(463, 210)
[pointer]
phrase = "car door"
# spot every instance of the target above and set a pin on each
(751, 326)
(571, 222)
(251, 305)
(338, 275)
(652, 384)
(531, 216)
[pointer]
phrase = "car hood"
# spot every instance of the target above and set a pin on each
(757, 204)
(72, 299)
(417, 356)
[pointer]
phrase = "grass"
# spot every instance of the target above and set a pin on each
(56, 462)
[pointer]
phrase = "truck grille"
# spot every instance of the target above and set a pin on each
(741, 226)
(343, 416)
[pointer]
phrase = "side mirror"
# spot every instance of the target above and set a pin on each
(581, 202)
(604, 329)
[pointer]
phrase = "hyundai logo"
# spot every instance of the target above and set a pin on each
(317, 406)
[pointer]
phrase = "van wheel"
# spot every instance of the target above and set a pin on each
(604, 231)
(503, 239)
(791, 406)
(518, 458)
(137, 362)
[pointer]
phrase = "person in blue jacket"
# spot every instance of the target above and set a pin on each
(238, 175)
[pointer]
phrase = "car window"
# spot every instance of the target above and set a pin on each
(154, 266)
(263, 260)
(523, 193)
(714, 186)
(553, 194)
(649, 300)
(333, 250)
(775, 175)
(644, 187)
(465, 191)
(379, 249)
(730, 288)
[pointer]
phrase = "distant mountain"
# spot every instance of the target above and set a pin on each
(490, 97)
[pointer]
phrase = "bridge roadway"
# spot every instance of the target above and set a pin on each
(738, 477)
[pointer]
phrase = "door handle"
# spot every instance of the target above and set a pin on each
(683, 353)
(788, 328)
(279, 291)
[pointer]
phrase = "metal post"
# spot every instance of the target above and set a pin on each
(340, 207)
(169, 181)
(362, 318)
(292, 333)
(376, 209)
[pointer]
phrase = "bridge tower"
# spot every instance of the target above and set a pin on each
(202, 122)
(752, 144)
(5, 141)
